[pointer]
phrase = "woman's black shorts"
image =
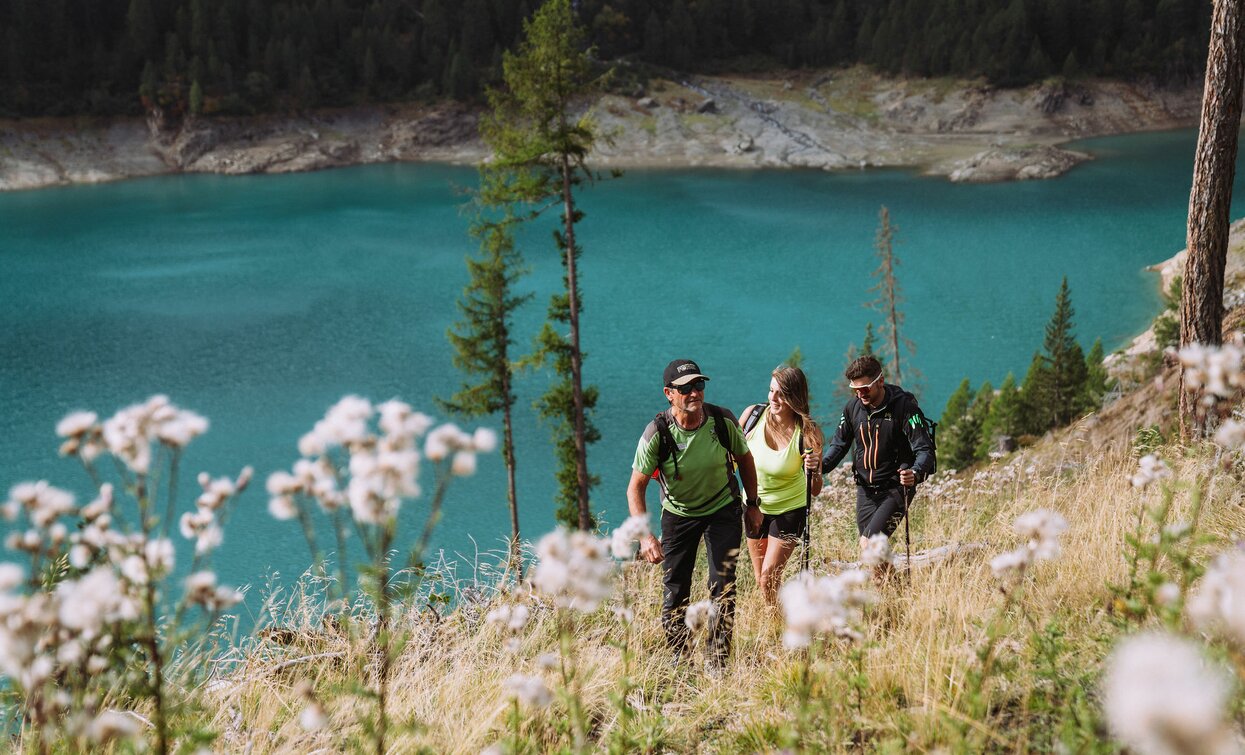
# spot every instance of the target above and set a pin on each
(786, 526)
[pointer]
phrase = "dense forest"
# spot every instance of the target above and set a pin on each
(244, 56)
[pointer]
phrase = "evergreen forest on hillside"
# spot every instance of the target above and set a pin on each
(251, 56)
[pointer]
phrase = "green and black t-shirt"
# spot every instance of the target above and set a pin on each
(703, 486)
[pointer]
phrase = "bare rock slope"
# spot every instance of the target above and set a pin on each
(837, 120)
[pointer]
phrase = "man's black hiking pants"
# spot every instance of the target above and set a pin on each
(722, 532)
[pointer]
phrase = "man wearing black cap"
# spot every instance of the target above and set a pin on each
(690, 447)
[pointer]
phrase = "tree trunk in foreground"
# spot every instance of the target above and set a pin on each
(1214, 168)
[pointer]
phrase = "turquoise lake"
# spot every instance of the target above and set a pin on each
(259, 301)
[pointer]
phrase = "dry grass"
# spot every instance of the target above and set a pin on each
(923, 638)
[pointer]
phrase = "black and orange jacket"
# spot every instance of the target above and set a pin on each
(892, 437)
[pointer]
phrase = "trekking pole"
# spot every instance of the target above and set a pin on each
(907, 536)
(808, 513)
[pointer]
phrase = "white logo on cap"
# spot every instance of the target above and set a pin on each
(686, 367)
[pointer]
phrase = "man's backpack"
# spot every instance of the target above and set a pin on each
(918, 419)
(666, 445)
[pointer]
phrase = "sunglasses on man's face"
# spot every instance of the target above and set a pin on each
(864, 388)
(695, 385)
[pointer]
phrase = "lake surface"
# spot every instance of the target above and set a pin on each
(259, 301)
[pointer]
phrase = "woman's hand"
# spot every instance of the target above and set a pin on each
(812, 462)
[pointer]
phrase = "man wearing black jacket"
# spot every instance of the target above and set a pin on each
(893, 448)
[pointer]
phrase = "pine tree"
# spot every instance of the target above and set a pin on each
(1097, 382)
(955, 446)
(1035, 414)
(975, 420)
(1065, 361)
(481, 341)
(540, 151)
(1003, 419)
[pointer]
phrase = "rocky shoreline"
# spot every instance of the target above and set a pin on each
(839, 120)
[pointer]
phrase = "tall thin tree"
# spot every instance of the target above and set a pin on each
(541, 148)
(482, 340)
(889, 295)
(1214, 168)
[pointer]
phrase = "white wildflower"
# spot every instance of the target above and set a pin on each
(11, 575)
(282, 507)
(464, 464)
(1161, 696)
(573, 568)
(1231, 434)
(75, 424)
(1042, 529)
(110, 725)
(1149, 470)
(484, 440)
(877, 551)
(1010, 564)
(828, 605)
(530, 691)
(1219, 601)
(181, 428)
(1167, 594)
(701, 615)
(514, 618)
(548, 661)
(101, 505)
(313, 718)
(624, 537)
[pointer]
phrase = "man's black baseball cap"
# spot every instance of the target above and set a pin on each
(682, 372)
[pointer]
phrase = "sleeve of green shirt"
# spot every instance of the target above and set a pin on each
(739, 444)
(645, 461)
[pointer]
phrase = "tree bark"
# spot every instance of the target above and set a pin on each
(507, 451)
(577, 383)
(1214, 168)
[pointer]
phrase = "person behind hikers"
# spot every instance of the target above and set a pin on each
(690, 446)
(893, 448)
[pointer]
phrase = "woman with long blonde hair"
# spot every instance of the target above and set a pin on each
(784, 475)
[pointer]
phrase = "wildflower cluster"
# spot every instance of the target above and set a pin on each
(574, 569)
(624, 538)
(1041, 530)
(1163, 696)
(1219, 603)
(1218, 374)
(1150, 469)
(383, 465)
(877, 551)
(510, 619)
(827, 605)
(87, 608)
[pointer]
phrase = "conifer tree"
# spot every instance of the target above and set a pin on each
(482, 341)
(1065, 361)
(889, 297)
(975, 421)
(1003, 418)
(1035, 416)
(540, 149)
(1097, 382)
(955, 447)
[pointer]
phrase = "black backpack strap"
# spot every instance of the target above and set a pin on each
(723, 434)
(753, 417)
(665, 443)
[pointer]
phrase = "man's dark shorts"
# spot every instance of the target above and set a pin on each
(878, 510)
(788, 525)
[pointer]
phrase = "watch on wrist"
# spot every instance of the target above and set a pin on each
(754, 502)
